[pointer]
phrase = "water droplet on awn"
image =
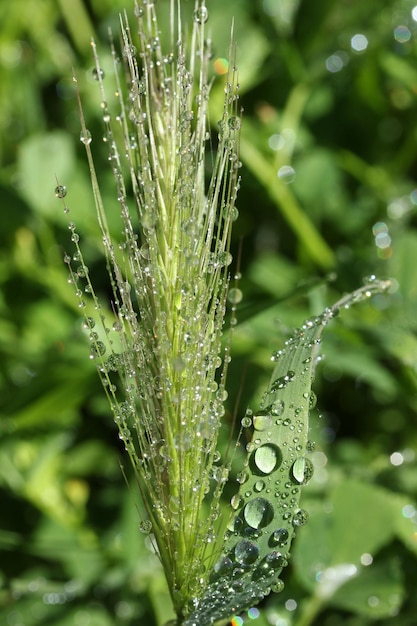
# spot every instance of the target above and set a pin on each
(145, 526)
(234, 123)
(235, 295)
(60, 191)
(201, 15)
(85, 137)
(97, 349)
(98, 73)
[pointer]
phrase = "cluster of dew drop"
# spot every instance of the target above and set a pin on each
(266, 509)
(169, 274)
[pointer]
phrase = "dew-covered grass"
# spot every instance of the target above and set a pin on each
(314, 501)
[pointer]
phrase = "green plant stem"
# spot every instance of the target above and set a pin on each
(78, 22)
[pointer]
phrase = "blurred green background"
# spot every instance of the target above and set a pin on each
(328, 196)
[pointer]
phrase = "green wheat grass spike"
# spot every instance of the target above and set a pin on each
(169, 280)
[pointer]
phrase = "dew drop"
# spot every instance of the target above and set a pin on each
(145, 526)
(301, 471)
(174, 505)
(259, 486)
(236, 502)
(246, 422)
(278, 586)
(258, 513)
(234, 123)
(60, 191)
(262, 422)
(129, 51)
(85, 137)
(89, 323)
(312, 400)
(276, 560)
(246, 552)
(286, 173)
(300, 518)
(277, 408)
(311, 446)
(234, 213)
(235, 524)
(97, 349)
(267, 458)
(223, 565)
(235, 295)
(98, 73)
(279, 537)
(201, 15)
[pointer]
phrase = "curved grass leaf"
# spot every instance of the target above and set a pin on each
(266, 509)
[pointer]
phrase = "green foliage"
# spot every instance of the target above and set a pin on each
(70, 550)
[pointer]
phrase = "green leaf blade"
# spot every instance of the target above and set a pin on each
(266, 510)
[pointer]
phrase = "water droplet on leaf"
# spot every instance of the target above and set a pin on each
(279, 537)
(276, 560)
(278, 586)
(267, 458)
(223, 565)
(300, 518)
(246, 552)
(262, 422)
(301, 471)
(258, 513)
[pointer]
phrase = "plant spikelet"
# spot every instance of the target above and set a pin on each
(169, 280)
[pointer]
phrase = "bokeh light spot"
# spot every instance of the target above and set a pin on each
(402, 34)
(359, 42)
(221, 66)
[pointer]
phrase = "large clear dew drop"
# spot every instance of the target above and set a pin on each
(258, 513)
(279, 537)
(262, 422)
(300, 518)
(246, 552)
(267, 458)
(301, 471)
